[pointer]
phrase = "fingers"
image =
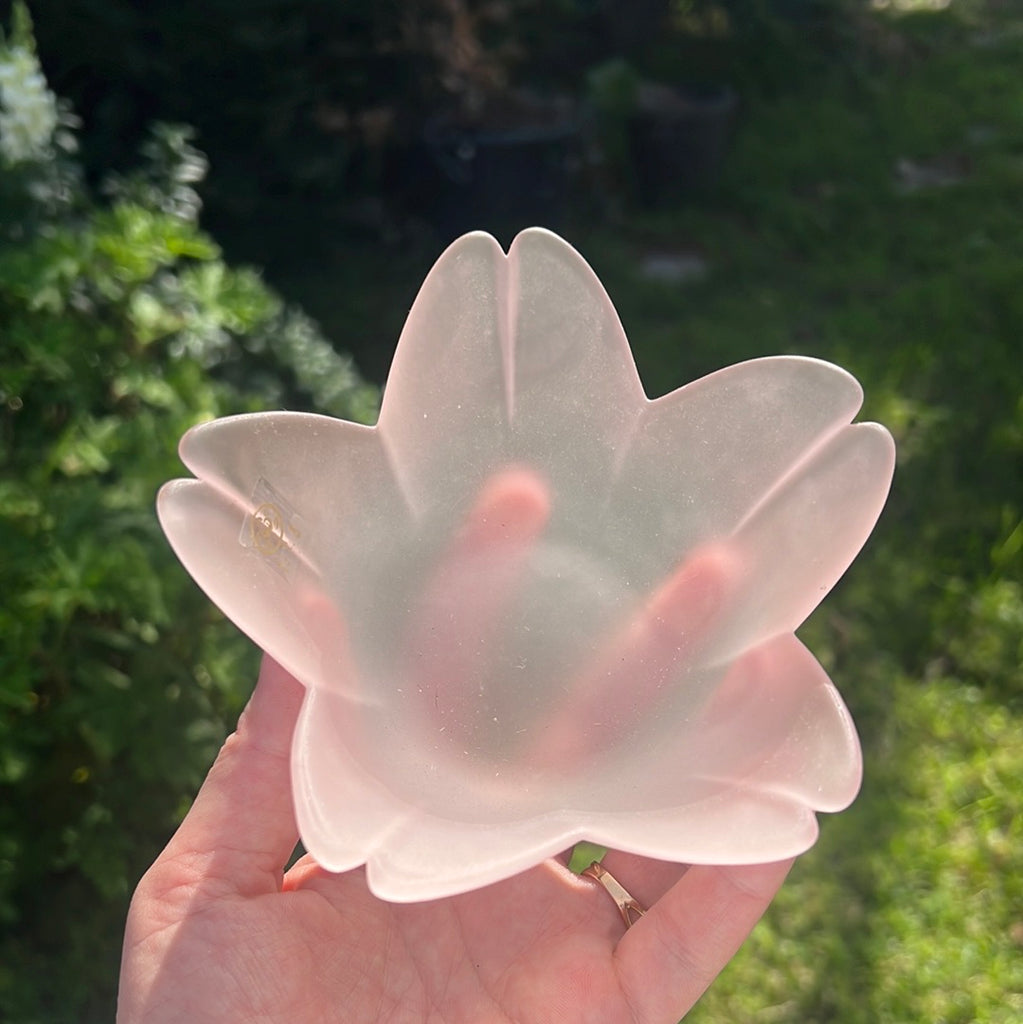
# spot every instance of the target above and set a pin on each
(666, 961)
(241, 829)
(459, 617)
(632, 669)
(460, 612)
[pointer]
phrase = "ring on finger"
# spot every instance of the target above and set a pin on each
(628, 906)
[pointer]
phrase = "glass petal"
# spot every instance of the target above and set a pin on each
(706, 454)
(244, 561)
(732, 826)
(517, 359)
(344, 814)
(328, 475)
(774, 723)
(797, 543)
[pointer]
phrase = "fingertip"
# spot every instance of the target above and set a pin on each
(514, 503)
(688, 602)
(758, 882)
(272, 710)
(277, 682)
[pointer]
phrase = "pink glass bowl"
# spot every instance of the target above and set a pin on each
(532, 606)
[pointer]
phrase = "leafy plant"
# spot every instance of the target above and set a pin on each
(121, 326)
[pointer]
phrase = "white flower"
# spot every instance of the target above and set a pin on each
(28, 109)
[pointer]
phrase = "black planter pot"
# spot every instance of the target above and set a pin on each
(498, 178)
(678, 137)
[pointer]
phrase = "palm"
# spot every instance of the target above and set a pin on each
(526, 950)
(217, 934)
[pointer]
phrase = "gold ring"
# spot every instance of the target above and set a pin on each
(630, 908)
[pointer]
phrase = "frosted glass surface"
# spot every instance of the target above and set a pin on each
(531, 605)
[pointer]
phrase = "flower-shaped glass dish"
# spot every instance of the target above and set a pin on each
(532, 606)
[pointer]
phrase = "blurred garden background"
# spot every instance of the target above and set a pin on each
(209, 206)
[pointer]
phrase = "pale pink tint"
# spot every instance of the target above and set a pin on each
(532, 606)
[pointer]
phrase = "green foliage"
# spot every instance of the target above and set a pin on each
(120, 327)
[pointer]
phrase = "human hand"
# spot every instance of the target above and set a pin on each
(219, 932)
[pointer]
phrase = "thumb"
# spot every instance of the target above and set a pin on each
(241, 829)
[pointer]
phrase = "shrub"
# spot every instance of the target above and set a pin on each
(120, 327)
